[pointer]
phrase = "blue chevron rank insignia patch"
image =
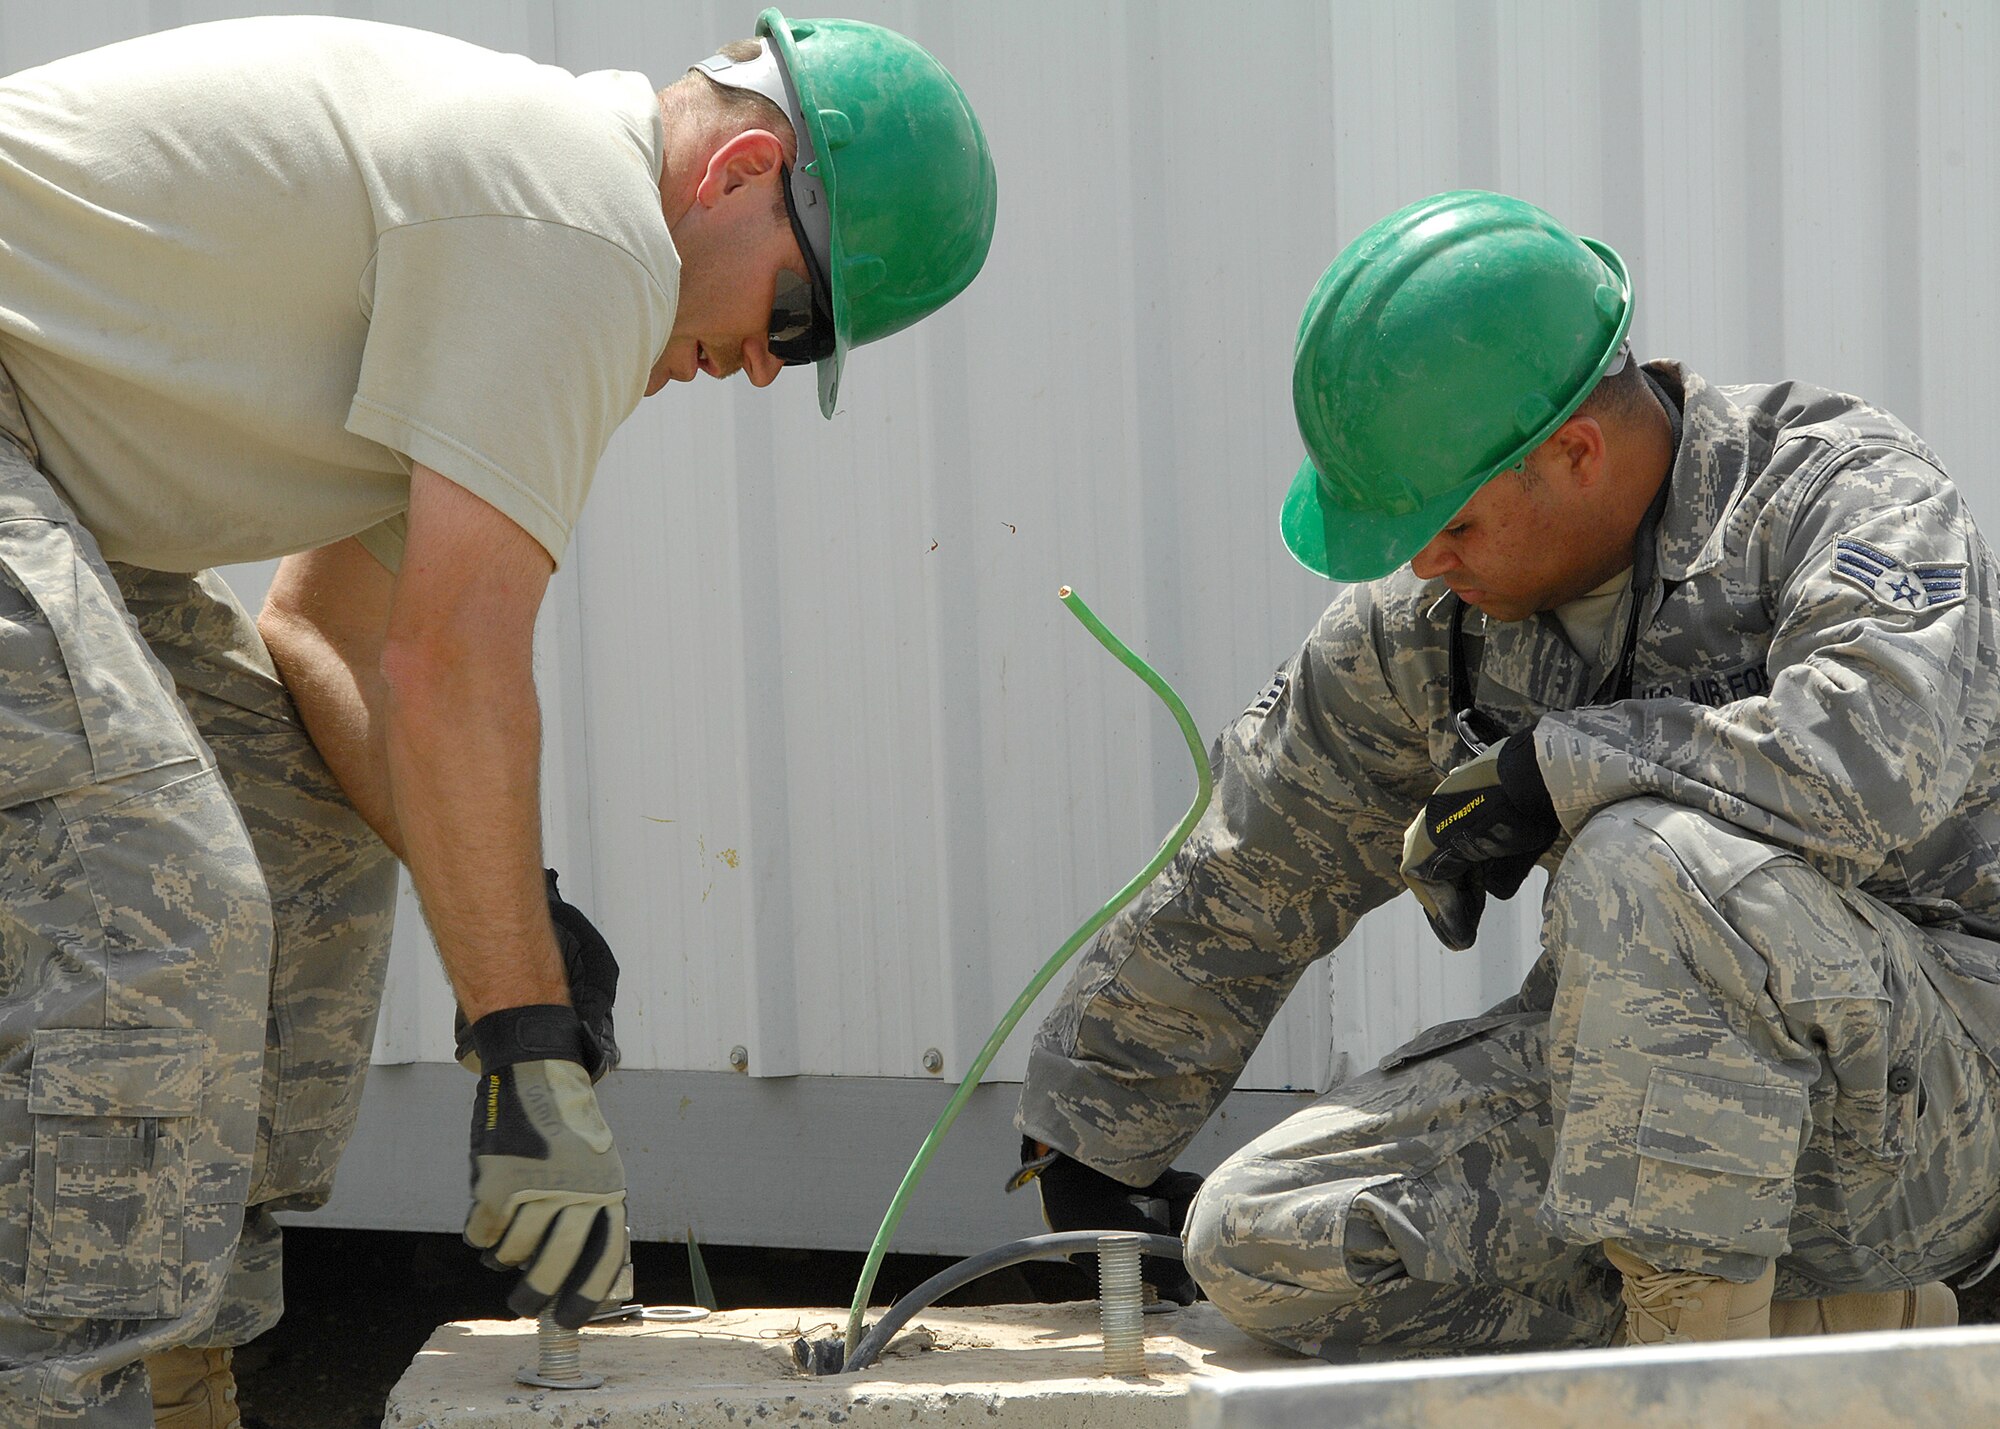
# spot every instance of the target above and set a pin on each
(1268, 700)
(1898, 584)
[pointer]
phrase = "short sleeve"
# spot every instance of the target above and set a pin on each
(502, 352)
(385, 540)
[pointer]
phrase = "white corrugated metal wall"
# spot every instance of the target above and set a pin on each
(826, 759)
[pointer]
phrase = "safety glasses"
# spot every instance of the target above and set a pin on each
(801, 321)
(799, 331)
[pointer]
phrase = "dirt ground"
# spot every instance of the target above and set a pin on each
(359, 1305)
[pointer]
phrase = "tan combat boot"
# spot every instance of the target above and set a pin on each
(193, 1389)
(1923, 1307)
(1680, 1306)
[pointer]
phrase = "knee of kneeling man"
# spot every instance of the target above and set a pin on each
(1610, 842)
(1253, 1280)
(1224, 1253)
(1656, 846)
(1208, 1239)
(1623, 847)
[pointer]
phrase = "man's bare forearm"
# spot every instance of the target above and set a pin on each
(323, 622)
(462, 741)
(341, 720)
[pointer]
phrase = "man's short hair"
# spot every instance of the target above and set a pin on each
(734, 111)
(742, 109)
(1619, 397)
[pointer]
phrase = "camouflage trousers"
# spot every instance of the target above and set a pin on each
(1721, 1058)
(194, 926)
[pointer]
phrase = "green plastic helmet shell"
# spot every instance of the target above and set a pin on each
(1439, 349)
(908, 176)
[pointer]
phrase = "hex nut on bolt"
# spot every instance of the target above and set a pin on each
(739, 1057)
(933, 1060)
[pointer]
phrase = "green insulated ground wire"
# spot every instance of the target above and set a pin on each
(1049, 969)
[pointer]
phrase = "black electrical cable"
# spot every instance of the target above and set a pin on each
(824, 1357)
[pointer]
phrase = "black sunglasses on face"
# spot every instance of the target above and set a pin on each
(801, 319)
(801, 329)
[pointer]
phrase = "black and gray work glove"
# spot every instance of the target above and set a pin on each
(593, 986)
(548, 1189)
(1076, 1198)
(1480, 832)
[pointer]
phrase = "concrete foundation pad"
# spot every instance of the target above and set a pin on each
(998, 1367)
(1879, 1381)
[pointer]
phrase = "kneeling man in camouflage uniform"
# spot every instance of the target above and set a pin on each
(1723, 661)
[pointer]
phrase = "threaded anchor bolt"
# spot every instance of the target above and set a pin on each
(558, 1358)
(1120, 1304)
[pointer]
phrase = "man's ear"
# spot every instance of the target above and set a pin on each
(1577, 447)
(738, 161)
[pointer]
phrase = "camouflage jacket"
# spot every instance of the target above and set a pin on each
(1815, 663)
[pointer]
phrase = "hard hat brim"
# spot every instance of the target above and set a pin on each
(772, 25)
(1347, 545)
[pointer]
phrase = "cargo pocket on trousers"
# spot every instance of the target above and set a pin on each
(1872, 1042)
(1716, 1159)
(93, 707)
(112, 1113)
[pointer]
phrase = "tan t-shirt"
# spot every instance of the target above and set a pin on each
(250, 270)
(1588, 622)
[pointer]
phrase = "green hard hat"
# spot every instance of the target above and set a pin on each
(1440, 348)
(907, 177)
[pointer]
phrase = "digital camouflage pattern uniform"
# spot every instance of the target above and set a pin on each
(1764, 1020)
(194, 926)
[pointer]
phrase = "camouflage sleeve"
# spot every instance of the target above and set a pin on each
(1884, 683)
(1313, 786)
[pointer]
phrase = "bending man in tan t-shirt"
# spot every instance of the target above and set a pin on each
(372, 300)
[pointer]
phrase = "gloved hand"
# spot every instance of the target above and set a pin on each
(548, 1189)
(593, 978)
(1076, 1198)
(593, 986)
(1480, 832)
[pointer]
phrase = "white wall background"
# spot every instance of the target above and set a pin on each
(827, 761)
